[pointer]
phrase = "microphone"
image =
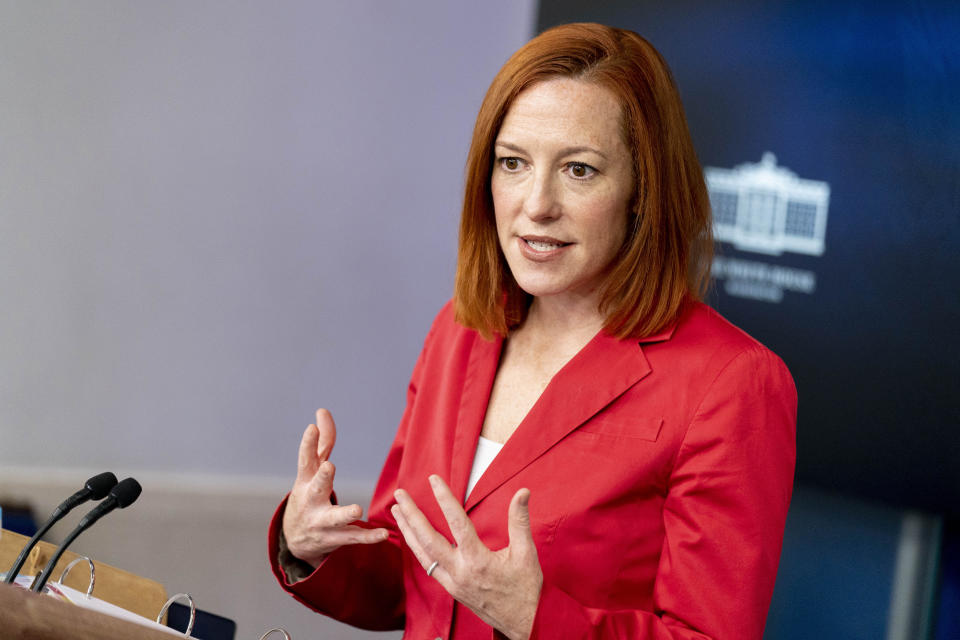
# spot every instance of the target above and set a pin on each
(94, 489)
(122, 496)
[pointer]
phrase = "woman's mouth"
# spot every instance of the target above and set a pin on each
(544, 245)
(539, 248)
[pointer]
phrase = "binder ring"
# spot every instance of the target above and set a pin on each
(283, 631)
(193, 610)
(76, 561)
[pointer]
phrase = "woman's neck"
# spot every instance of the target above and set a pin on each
(576, 320)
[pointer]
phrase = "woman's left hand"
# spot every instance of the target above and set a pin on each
(501, 587)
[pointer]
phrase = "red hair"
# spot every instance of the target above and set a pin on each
(666, 254)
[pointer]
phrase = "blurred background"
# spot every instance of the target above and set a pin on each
(216, 217)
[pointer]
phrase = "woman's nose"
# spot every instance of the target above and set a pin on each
(541, 201)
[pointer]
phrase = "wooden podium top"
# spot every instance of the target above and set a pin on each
(126, 590)
(25, 615)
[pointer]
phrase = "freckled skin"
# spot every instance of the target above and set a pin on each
(541, 188)
(562, 171)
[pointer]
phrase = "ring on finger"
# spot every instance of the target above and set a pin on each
(432, 568)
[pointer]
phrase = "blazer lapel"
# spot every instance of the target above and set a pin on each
(597, 375)
(474, 398)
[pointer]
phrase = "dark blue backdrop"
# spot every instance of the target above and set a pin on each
(866, 97)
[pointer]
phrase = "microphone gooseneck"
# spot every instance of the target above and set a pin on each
(121, 496)
(93, 489)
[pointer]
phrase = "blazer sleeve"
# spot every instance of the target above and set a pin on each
(360, 584)
(723, 517)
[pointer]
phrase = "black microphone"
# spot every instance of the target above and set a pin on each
(122, 495)
(94, 489)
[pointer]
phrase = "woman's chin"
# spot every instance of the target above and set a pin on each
(540, 289)
(555, 289)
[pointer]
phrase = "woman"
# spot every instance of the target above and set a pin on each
(642, 447)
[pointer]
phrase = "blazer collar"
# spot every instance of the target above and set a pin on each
(603, 370)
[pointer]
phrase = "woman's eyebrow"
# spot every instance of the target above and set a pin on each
(566, 151)
(509, 145)
(583, 149)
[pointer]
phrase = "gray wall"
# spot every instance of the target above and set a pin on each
(218, 216)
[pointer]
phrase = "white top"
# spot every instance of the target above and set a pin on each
(487, 450)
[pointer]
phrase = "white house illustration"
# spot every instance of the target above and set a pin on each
(767, 209)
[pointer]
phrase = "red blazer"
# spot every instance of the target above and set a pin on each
(660, 473)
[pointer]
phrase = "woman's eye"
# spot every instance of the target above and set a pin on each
(580, 170)
(510, 164)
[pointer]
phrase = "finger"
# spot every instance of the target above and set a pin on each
(518, 523)
(358, 535)
(342, 516)
(321, 486)
(327, 435)
(410, 537)
(433, 544)
(306, 460)
(441, 571)
(457, 519)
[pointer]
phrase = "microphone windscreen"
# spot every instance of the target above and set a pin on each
(99, 485)
(126, 492)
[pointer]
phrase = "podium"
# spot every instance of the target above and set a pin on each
(134, 593)
(25, 615)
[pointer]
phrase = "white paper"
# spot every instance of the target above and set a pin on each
(79, 598)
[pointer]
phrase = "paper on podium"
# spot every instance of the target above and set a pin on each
(140, 595)
(80, 599)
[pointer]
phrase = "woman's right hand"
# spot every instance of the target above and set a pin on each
(312, 525)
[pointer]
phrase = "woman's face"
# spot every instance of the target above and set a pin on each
(561, 183)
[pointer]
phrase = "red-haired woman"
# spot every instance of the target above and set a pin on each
(587, 451)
